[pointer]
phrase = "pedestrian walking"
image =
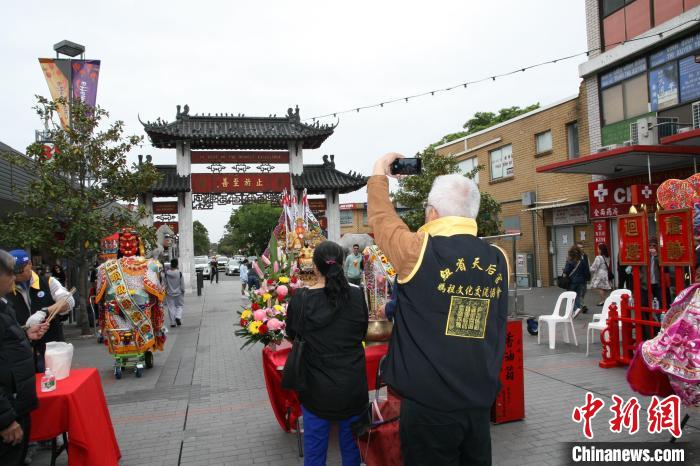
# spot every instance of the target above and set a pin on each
(243, 274)
(253, 279)
(17, 382)
(586, 265)
(601, 275)
(38, 295)
(332, 317)
(214, 266)
(449, 333)
(353, 266)
(174, 293)
(577, 273)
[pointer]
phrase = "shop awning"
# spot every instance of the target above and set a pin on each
(554, 205)
(628, 161)
(686, 138)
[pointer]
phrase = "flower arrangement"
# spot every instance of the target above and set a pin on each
(264, 320)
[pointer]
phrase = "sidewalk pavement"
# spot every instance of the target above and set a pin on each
(205, 401)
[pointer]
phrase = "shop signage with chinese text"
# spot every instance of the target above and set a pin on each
(601, 233)
(569, 215)
(610, 198)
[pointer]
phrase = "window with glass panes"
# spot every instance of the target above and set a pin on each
(543, 142)
(347, 217)
(466, 166)
(501, 161)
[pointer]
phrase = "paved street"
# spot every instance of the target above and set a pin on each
(205, 402)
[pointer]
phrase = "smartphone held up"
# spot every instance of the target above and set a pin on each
(406, 166)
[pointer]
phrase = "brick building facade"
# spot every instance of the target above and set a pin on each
(550, 210)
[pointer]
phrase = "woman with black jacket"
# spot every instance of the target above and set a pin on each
(17, 381)
(332, 317)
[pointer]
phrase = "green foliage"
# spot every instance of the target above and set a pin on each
(249, 227)
(483, 120)
(200, 237)
(75, 194)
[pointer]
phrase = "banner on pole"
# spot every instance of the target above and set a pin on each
(85, 74)
(59, 86)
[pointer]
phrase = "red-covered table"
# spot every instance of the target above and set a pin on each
(285, 403)
(78, 407)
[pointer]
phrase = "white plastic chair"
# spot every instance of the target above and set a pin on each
(566, 299)
(600, 321)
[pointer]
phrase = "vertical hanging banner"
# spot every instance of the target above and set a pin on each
(84, 74)
(59, 86)
(676, 237)
(633, 236)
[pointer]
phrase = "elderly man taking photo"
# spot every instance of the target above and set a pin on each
(447, 346)
(17, 382)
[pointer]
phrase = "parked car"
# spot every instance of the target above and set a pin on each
(232, 267)
(202, 263)
(221, 262)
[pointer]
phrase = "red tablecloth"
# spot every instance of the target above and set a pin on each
(77, 407)
(285, 403)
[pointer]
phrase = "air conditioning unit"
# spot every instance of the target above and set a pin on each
(647, 131)
(529, 198)
(696, 115)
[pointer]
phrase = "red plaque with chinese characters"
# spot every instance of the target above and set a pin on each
(601, 232)
(240, 156)
(633, 238)
(240, 182)
(676, 245)
(510, 401)
(165, 207)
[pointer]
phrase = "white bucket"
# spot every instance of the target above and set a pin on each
(58, 357)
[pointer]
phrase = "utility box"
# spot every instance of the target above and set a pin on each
(524, 269)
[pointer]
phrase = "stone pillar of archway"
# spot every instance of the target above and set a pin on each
(146, 200)
(333, 215)
(184, 211)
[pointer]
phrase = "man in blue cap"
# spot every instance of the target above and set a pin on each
(34, 298)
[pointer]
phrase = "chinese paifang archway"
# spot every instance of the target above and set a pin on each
(240, 154)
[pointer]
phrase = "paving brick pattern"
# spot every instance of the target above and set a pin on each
(205, 402)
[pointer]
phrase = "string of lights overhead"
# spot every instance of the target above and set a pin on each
(492, 78)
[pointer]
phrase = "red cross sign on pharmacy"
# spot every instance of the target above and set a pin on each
(610, 198)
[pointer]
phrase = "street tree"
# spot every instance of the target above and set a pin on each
(250, 225)
(80, 184)
(413, 193)
(200, 237)
(483, 120)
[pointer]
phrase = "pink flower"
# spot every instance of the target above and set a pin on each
(282, 292)
(276, 267)
(265, 260)
(275, 324)
(256, 267)
(270, 312)
(260, 314)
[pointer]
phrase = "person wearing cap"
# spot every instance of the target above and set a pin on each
(34, 298)
(17, 382)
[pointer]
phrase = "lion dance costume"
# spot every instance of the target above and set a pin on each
(130, 295)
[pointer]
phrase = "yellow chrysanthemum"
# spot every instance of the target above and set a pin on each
(246, 314)
(266, 297)
(254, 327)
(278, 308)
(284, 280)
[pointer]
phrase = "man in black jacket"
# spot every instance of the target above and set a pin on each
(17, 382)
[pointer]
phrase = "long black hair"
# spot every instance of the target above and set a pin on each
(328, 258)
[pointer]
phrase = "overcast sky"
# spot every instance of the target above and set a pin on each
(259, 58)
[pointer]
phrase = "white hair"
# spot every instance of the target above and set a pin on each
(455, 195)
